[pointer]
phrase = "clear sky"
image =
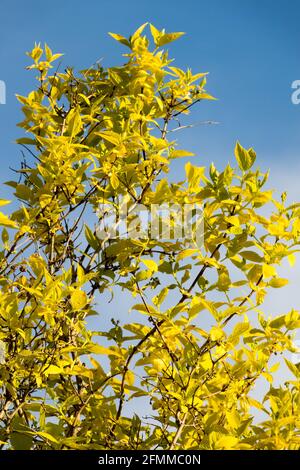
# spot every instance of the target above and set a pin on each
(251, 49)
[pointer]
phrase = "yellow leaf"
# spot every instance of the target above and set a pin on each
(216, 333)
(226, 442)
(130, 377)
(111, 137)
(186, 253)
(181, 153)
(114, 181)
(120, 39)
(53, 370)
(3, 202)
(268, 271)
(168, 37)
(245, 158)
(6, 222)
(233, 220)
(268, 376)
(278, 282)
(291, 259)
(138, 33)
(78, 299)
(73, 122)
(158, 364)
(276, 229)
(194, 175)
(155, 33)
(233, 418)
(150, 264)
(98, 349)
(47, 436)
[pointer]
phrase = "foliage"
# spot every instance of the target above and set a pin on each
(95, 136)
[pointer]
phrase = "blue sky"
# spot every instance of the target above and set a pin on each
(251, 49)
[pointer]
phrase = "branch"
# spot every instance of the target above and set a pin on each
(179, 431)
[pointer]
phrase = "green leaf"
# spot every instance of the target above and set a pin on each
(23, 192)
(21, 441)
(278, 322)
(19, 438)
(91, 238)
(26, 141)
(251, 256)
